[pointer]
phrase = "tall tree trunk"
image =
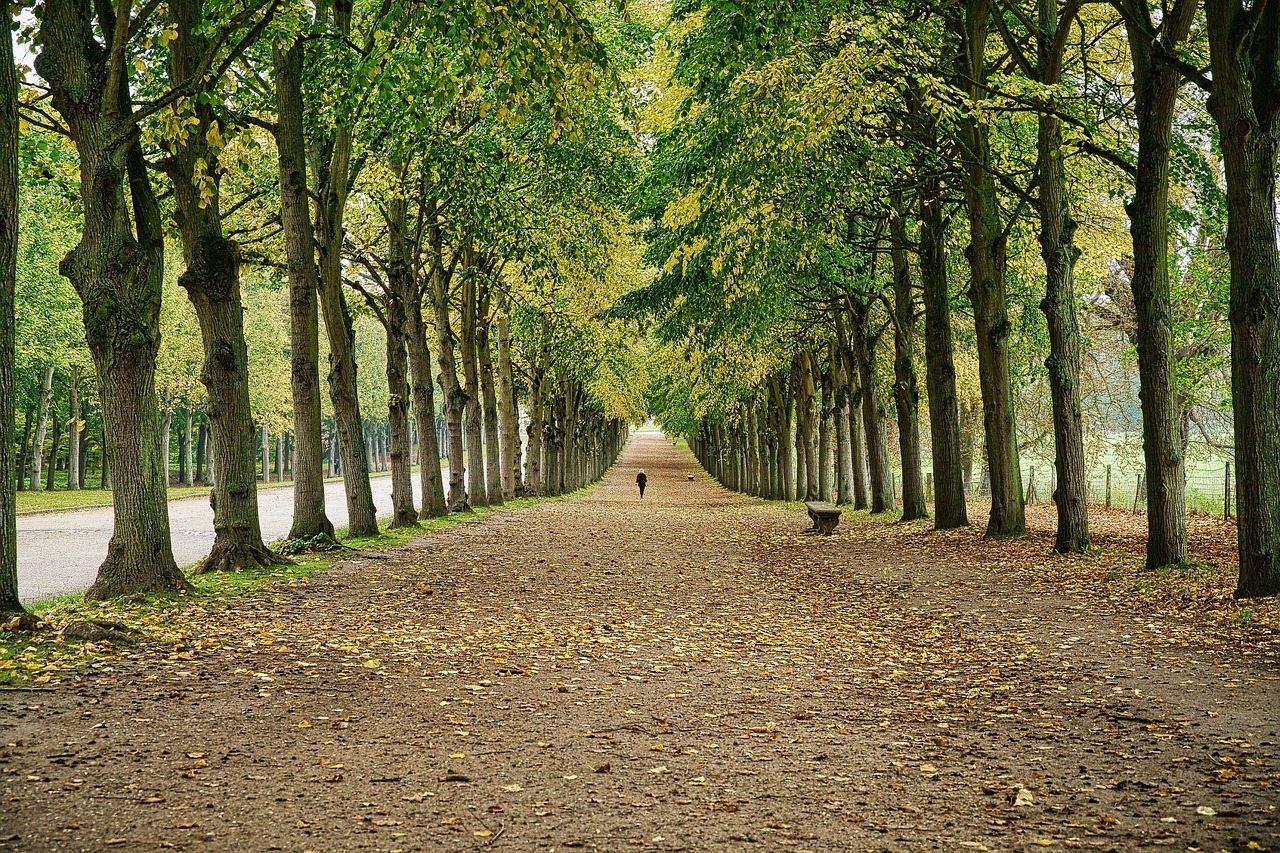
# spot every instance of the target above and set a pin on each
(477, 494)
(10, 606)
(1058, 249)
(310, 519)
(117, 269)
(906, 393)
(537, 421)
(330, 169)
(51, 469)
(42, 427)
(166, 436)
(873, 410)
(806, 424)
(24, 450)
(844, 441)
(782, 427)
(73, 433)
(494, 462)
(1155, 83)
(987, 264)
(1244, 48)
(424, 408)
(508, 413)
(400, 282)
(949, 507)
(826, 428)
(454, 397)
(404, 514)
(212, 282)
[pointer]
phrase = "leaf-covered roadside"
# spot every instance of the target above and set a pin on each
(172, 626)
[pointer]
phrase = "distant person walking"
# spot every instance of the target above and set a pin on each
(641, 481)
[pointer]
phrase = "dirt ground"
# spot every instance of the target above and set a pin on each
(686, 672)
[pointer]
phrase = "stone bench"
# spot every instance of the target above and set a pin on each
(825, 516)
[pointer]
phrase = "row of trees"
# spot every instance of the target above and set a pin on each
(451, 171)
(923, 183)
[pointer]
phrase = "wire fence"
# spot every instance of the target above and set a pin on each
(1117, 477)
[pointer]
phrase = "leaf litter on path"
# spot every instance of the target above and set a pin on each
(690, 672)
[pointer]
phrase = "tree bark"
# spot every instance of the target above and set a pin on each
(310, 519)
(949, 508)
(73, 431)
(400, 283)
(212, 282)
(537, 421)
(1155, 87)
(906, 393)
(806, 427)
(1058, 249)
(508, 413)
(1244, 49)
(844, 440)
(454, 397)
(477, 494)
(42, 430)
(330, 169)
(24, 450)
(10, 605)
(117, 269)
(986, 254)
(494, 462)
(424, 406)
(864, 342)
(826, 428)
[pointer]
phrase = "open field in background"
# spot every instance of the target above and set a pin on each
(1206, 473)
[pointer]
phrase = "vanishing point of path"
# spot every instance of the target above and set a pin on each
(684, 673)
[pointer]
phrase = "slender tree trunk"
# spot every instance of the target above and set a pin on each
(873, 410)
(166, 436)
(806, 424)
(1058, 249)
(826, 428)
(309, 515)
(987, 265)
(404, 514)
(42, 426)
(537, 420)
(508, 413)
(73, 432)
(782, 427)
(24, 450)
(1244, 46)
(493, 459)
(55, 439)
(1156, 83)
(477, 494)
(949, 508)
(454, 397)
(424, 409)
(906, 394)
(844, 441)
(11, 610)
(330, 169)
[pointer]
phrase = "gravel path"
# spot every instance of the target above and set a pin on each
(687, 672)
(59, 552)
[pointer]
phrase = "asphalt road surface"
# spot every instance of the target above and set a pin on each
(59, 552)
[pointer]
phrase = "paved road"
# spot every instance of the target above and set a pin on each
(59, 552)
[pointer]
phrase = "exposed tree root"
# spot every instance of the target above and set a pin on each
(239, 557)
(98, 630)
(18, 620)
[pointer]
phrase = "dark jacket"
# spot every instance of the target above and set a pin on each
(641, 479)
